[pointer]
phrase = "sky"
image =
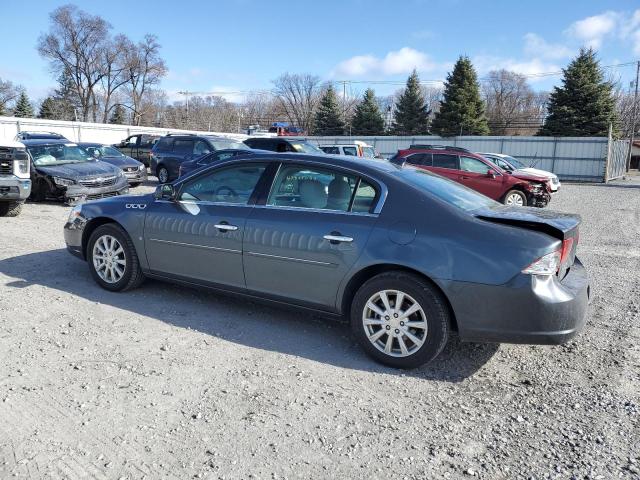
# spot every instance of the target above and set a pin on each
(235, 46)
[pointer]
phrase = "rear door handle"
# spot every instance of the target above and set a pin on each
(338, 238)
(225, 227)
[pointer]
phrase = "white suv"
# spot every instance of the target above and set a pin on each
(510, 164)
(15, 183)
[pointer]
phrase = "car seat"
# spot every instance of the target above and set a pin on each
(312, 194)
(339, 195)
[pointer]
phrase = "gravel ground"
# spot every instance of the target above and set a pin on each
(169, 382)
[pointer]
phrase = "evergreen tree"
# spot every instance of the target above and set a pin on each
(328, 119)
(411, 116)
(47, 109)
(66, 98)
(367, 119)
(23, 107)
(117, 116)
(2, 110)
(462, 110)
(584, 105)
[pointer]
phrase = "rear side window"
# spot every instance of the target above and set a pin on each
(423, 159)
(183, 146)
(442, 160)
(331, 150)
(365, 197)
(165, 144)
(352, 151)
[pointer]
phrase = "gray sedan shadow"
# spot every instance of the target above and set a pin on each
(236, 320)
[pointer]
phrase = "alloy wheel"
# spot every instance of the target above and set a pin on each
(395, 323)
(163, 175)
(109, 259)
(514, 199)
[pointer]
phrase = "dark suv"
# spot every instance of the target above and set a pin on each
(170, 151)
(476, 172)
(138, 146)
(278, 144)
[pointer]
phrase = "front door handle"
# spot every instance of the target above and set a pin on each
(225, 227)
(336, 238)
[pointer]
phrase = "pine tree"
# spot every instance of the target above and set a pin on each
(367, 119)
(117, 116)
(584, 105)
(66, 98)
(23, 108)
(462, 110)
(2, 110)
(47, 109)
(328, 119)
(411, 116)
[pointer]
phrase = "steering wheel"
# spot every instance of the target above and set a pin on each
(226, 192)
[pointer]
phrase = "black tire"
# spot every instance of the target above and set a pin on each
(434, 306)
(39, 190)
(135, 184)
(163, 174)
(515, 192)
(133, 275)
(10, 209)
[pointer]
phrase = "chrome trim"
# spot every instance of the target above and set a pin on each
(315, 210)
(195, 245)
(292, 259)
(338, 238)
(226, 227)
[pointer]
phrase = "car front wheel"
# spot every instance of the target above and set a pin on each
(400, 319)
(515, 197)
(112, 258)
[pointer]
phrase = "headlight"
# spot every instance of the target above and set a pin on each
(22, 166)
(63, 182)
(141, 167)
(74, 213)
(120, 173)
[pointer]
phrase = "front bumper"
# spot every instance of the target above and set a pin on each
(14, 189)
(528, 309)
(80, 193)
(73, 236)
(540, 199)
(137, 176)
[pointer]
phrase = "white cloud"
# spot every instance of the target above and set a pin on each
(631, 31)
(591, 31)
(536, 46)
(394, 63)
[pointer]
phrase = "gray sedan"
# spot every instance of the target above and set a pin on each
(134, 170)
(407, 256)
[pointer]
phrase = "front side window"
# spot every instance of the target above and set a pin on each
(226, 185)
(331, 150)
(183, 146)
(165, 144)
(473, 165)
(132, 141)
(201, 148)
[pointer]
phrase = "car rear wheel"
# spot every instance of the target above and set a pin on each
(400, 319)
(515, 197)
(112, 258)
(162, 174)
(10, 209)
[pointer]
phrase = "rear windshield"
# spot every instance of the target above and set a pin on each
(447, 190)
(304, 147)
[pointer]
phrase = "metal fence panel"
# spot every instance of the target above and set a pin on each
(618, 153)
(571, 158)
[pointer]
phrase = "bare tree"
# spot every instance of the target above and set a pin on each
(8, 93)
(624, 108)
(512, 107)
(75, 44)
(298, 95)
(145, 69)
(115, 68)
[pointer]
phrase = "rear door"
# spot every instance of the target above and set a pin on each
(474, 174)
(446, 165)
(312, 228)
(182, 150)
(199, 235)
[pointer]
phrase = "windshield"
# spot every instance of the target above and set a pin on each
(369, 152)
(305, 147)
(103, 151)
(58, 154)
(515, 162)
(226, 144)
(447, 190)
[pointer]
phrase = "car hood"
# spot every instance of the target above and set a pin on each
(522, 175)
(121, 161)
(535, 172)
(79, 170)
(559, 225)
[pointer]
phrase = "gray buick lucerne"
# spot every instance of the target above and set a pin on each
(407, 256)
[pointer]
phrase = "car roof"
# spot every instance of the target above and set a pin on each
(46, 141)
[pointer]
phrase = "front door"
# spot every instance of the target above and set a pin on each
(314, 226)
(199, 235)
(474, 174)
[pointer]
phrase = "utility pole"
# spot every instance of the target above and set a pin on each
(633, 117)
(186, 94)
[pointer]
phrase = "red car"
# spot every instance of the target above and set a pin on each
(476, 172)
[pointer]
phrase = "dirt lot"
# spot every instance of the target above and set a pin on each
(168, 382)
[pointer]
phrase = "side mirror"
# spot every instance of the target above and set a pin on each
(491, 173)
(166, 191)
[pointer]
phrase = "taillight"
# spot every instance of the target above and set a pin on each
(545, 265)
(567, 245)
